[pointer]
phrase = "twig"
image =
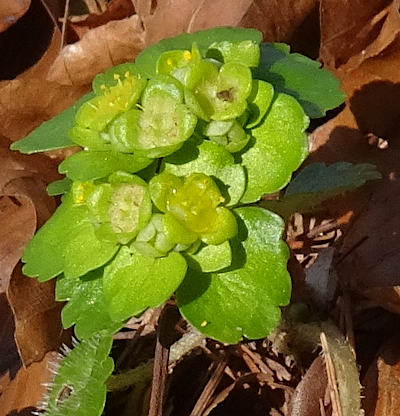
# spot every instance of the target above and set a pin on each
(160, 370)
(64, 24)
(210, 387)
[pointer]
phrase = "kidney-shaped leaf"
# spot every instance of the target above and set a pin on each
(134, 282)
(278, 147)
(243, 300)
(315, 88)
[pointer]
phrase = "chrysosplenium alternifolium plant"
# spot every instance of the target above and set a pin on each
(174, 149)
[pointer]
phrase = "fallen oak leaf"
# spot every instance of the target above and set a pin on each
(354, 32)
(100, 48)
(277, 20)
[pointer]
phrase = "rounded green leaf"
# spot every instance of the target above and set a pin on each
(212, 160)
(86, 165)
(247, 52)
(134, 282)
(244, 300)
(119, 209)
(259, 101)
(164, 125)
(210, 258)
(68, 244)
(162, 86)
(278, 148)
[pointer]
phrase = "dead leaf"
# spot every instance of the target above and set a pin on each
(121, 41)
(116, 10)
(10, 361)
(311, 389)
(24, 204)
(38, 326)
(352, 32)
(30, 99)
(24, 392)
(382, 382)
(100, 48)
(11, 11)
(277, 20)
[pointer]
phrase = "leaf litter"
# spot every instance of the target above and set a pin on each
(366, 260)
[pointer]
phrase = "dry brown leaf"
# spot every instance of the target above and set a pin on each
(382, 382)
(121, 41)
(370, 251)
(24, 204)
(38, 326)
(9, 362)
(24, 392)
(116, 10)
(352, 32)
(99, 49)
(277, 20)
(11, 11)
(30, 99)
(310, 390)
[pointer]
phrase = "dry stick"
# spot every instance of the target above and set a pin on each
(64, 23)
(210, 387)
(160, 370)
(330, 369)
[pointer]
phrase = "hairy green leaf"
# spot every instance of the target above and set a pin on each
(243, 300)
(278, 147)
(85, 307)
(78, 388)
(316, 89)
(147, 60)
(134, 282)
(52, 134)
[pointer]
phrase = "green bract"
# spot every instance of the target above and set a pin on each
(173, 147)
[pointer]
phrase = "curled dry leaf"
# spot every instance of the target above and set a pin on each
(23, 204)
(24, 392)
(10, 361)
(352, 32)
(30, 99)
(38, 326)
(116, 10)
(11, 11)
(99, 49)
(311, 389)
